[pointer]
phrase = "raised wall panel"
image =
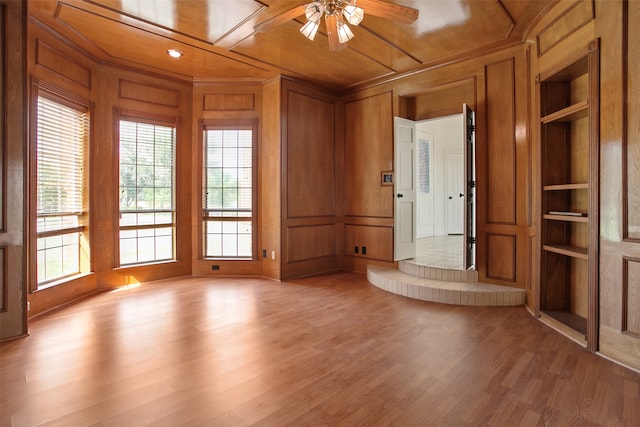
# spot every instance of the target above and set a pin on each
(580, 14)
(633, 125)
(377, 240)
(631, 296)
(148, 93)
(3, 278)
(500, 144)
(310, 156)
(310, 242)
(368, 152)
(228, 102)
(502, 254)
(444, 100)
(54, 61)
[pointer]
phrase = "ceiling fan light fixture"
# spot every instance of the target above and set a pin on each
(314, 11)
(353, 14)
(344, 32)
(310, 29)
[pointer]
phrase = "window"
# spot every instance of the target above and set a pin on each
(228, 192)
(147, 192)
(61, 175)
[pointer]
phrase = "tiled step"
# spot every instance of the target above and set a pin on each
(426, 272)
(444, 291)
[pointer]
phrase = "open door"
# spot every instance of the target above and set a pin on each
(470, 180)
(404, 189)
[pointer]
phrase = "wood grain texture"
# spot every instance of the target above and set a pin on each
(60, 64)
(368, 152)
(501, 250)
(632, 139)
(327, 350)
(500, 148)
(580, 14)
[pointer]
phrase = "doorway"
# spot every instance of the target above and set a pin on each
(444, 196)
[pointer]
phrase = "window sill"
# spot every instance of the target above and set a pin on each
(61, 282)
(146, 264)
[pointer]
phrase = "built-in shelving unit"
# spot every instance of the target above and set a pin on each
(568, 234)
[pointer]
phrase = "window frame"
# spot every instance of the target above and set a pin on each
(156, 120)
(231, 124)
(68, 99)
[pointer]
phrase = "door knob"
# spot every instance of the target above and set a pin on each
(461, 195)
(400, 195)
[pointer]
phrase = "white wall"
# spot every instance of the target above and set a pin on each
(445, 135)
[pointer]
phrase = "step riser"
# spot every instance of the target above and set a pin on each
(435, 273)
(458, 293)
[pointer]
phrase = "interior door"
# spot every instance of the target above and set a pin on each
(13, 313)
(404, 189)
(454, 183)
(470, 193)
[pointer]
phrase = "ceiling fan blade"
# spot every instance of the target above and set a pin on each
(280, 13)
(394, 12)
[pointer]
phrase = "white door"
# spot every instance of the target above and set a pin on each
(454, 203)
(404, 189)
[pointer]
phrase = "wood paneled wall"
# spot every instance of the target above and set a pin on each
(228, 101)
(495, 87)
(309, 226)
(620, 181)
(110, 90)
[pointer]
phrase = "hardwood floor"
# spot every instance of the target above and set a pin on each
(330, 350)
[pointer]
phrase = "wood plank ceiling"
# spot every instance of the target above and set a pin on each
(219, 42)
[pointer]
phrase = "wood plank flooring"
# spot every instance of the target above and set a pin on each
(331, 350)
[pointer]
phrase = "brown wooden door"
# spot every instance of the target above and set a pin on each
(13, 305)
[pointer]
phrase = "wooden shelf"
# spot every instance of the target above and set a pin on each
(573, 112)
(578, 186)
(569, 218)
(570, 324)
(570, 251)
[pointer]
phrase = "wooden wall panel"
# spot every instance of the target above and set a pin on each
(57, 62)
(632, 206)
(501, 254)
(310, 242)
(229, 101)
(500, 143)
(270, 183)
(631, 296)
(580, 14)
(444, 100)
(13, 315)
(368, 152)
(376, 241)
(310, 226)
(148, 93)
(3, 278)
(310, 156)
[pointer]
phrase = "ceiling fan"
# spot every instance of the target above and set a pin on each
(337, 15)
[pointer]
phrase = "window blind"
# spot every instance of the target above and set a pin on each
(61, 140)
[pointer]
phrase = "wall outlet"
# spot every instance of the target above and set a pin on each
(273, 255)
(264, 253)
(356, 250)
(215, 267)
(364, 250)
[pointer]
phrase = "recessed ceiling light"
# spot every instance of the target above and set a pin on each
(174, 53)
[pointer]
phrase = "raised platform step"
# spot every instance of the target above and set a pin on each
(444, 291)
(435, 273)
